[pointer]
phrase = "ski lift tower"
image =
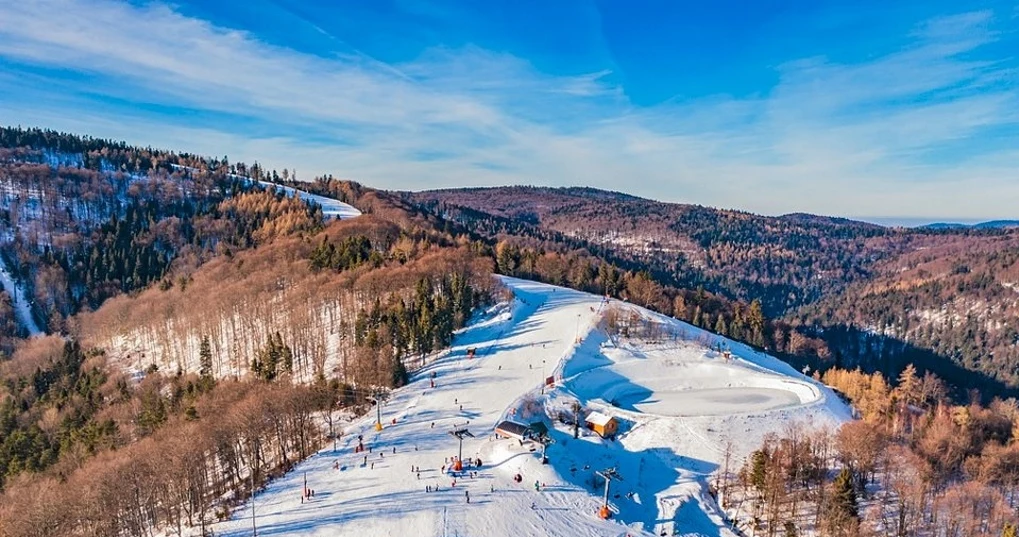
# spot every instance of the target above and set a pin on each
(608, 475)
(460, 432)
(379, 396)
(545, 441)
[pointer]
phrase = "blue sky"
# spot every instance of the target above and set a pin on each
(867, 109)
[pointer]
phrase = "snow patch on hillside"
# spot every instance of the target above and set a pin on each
(22, 308)
(330, 208)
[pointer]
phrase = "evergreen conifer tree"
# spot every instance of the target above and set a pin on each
(205, 358)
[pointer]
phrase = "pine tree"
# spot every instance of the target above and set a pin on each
(286, 356)
(205, 358)
(758, 469)
(399, 373)
(270, 364)
(909, 385)
(720, 327)
(256, 365)
(844, 504)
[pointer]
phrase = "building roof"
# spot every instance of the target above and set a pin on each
(512, 427)
(597, 418)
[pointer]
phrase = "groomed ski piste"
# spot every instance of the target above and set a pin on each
(22, 308)
(330, 208)
(679, 403)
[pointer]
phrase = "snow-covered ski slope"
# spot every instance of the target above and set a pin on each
(330, 208)
(678, 403)
(22, 308)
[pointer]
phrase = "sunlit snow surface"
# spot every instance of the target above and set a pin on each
(22, 308)
(330, 208)
(678, 403)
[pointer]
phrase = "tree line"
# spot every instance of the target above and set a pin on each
(190, 471)
(914, 464)
(90, 219)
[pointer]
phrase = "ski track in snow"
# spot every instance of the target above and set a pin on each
(330, 208)
(681, 403)
(22, 309)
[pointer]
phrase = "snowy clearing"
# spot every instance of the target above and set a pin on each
(330, 208)
(22, 309)
(678, 404)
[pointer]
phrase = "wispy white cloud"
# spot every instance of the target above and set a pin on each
(837, 138)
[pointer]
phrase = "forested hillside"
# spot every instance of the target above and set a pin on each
(203, 328)
(833, 292)
(913, 464)
(783, 262)
(958, 298)
(82, 220)
(358, 294)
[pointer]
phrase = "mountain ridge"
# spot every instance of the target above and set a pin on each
(814, 272)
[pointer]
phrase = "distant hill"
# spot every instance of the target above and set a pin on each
(997, 224)
(992, 224)
(785, 262)
(940, 295)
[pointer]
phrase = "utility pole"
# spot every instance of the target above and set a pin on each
(608, 474)
(576, 418)
(543, 376)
